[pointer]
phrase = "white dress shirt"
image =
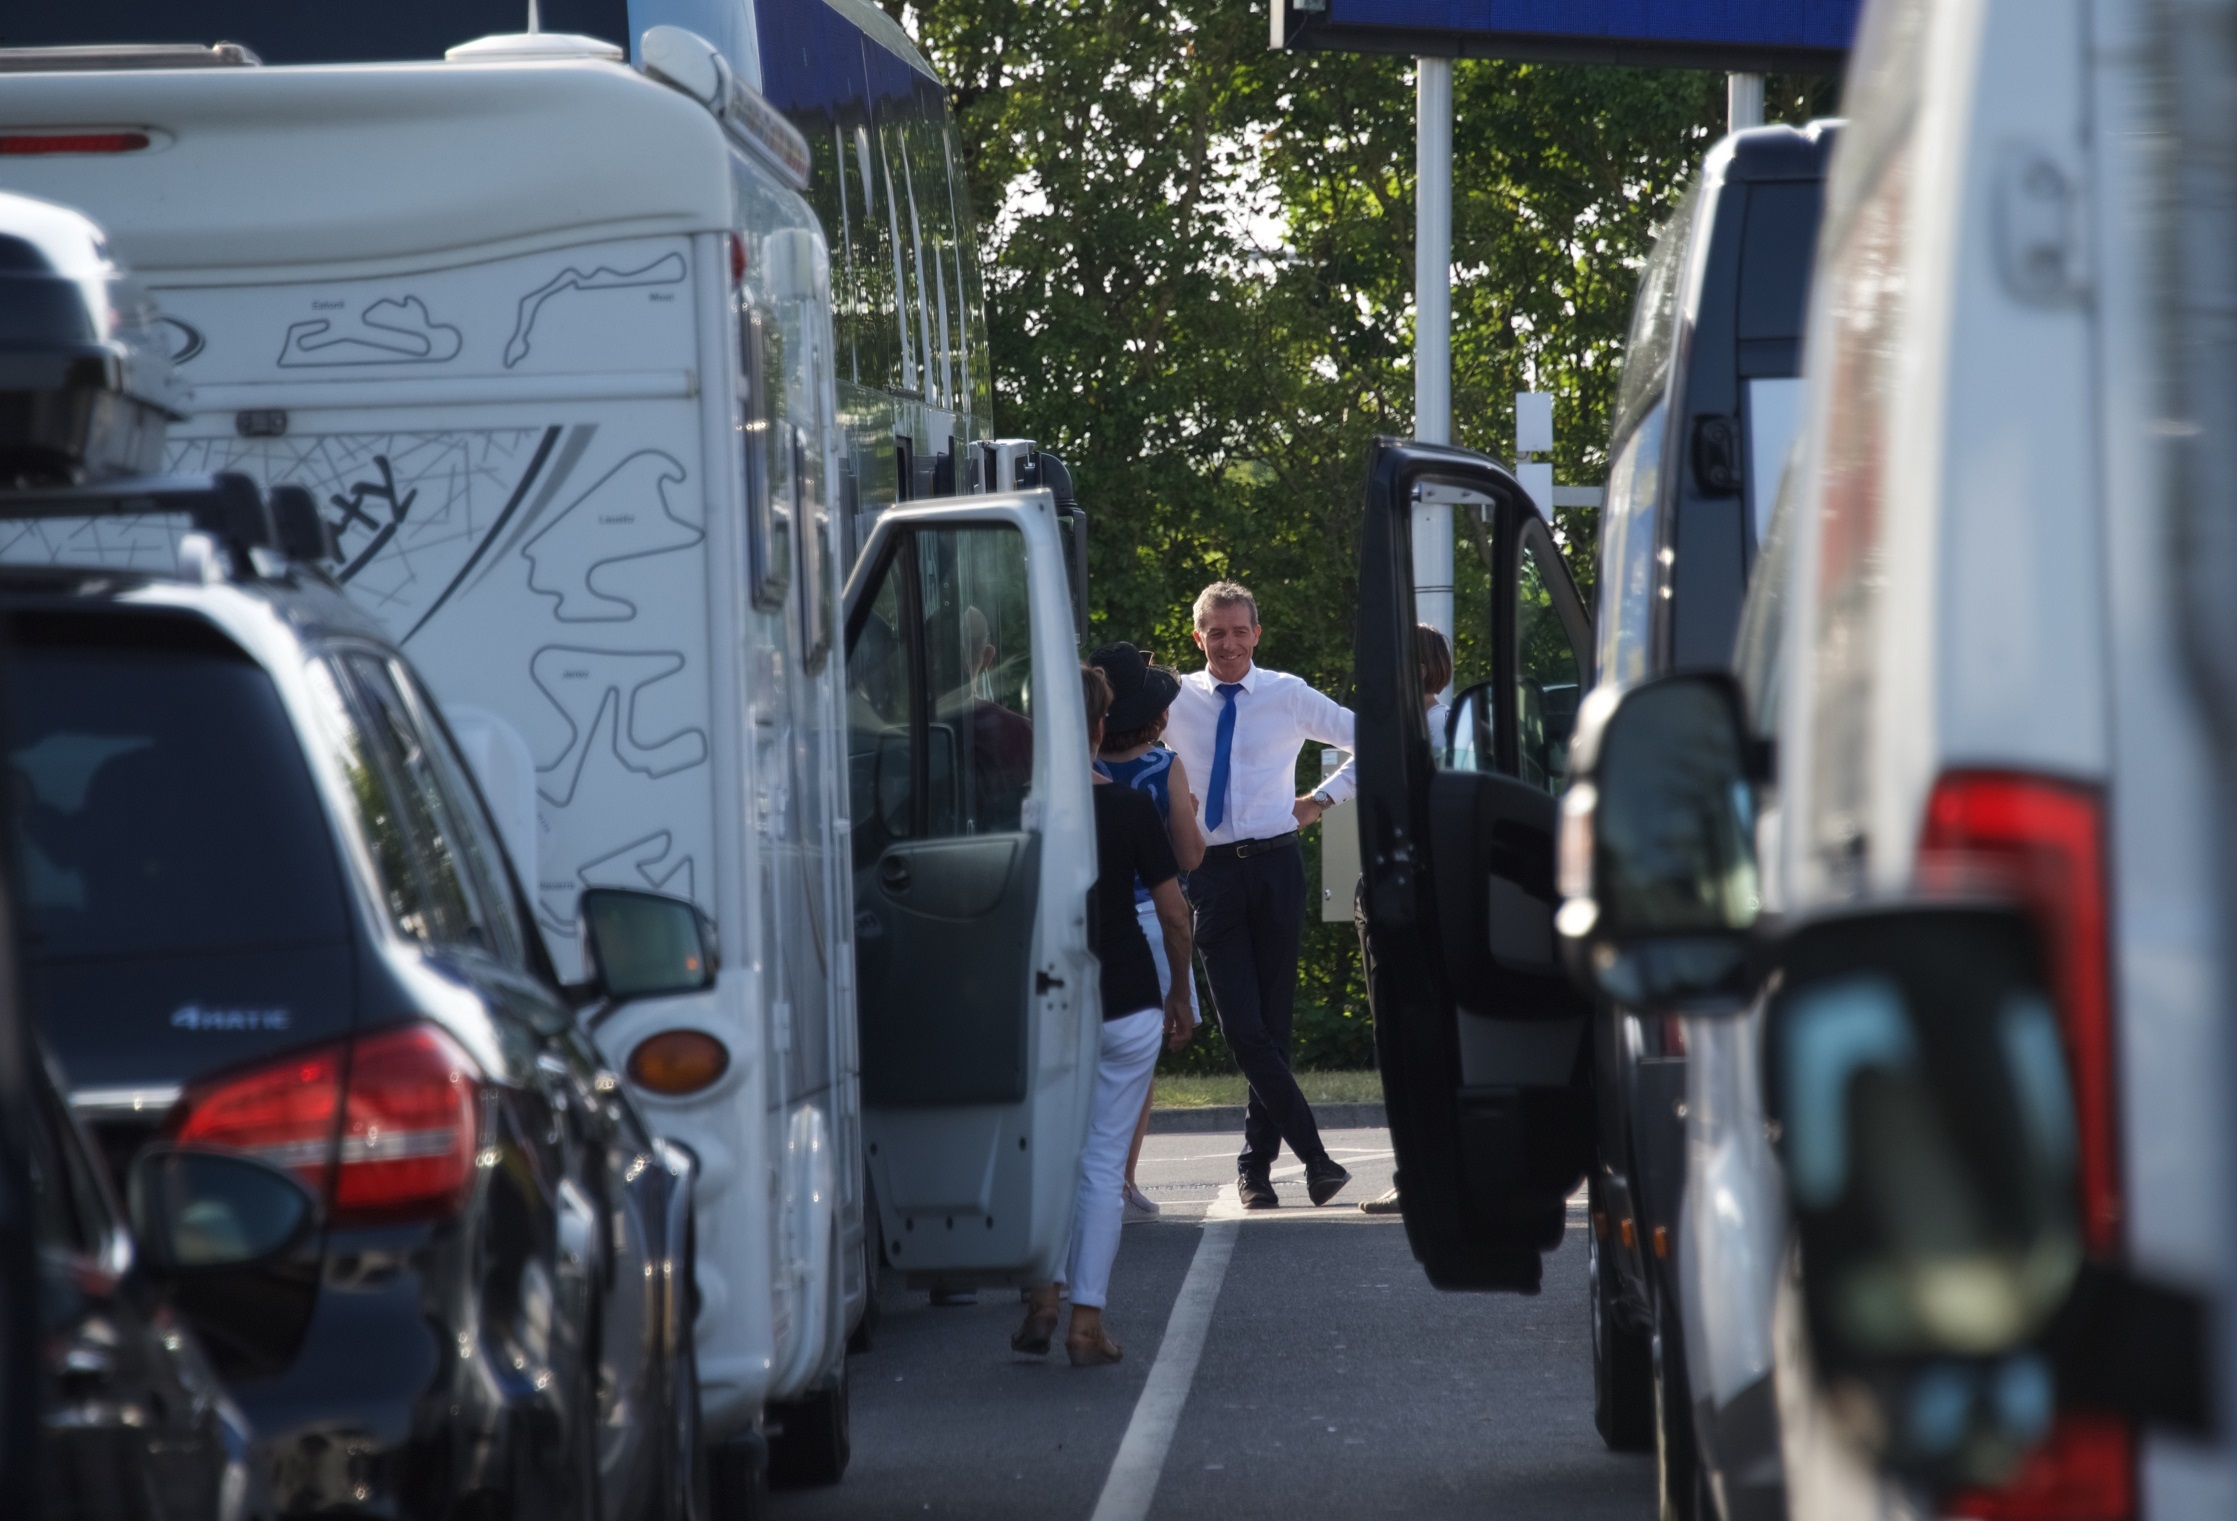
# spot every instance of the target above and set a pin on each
(1276, 715)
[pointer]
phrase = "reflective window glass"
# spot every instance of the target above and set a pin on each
(1548, 682)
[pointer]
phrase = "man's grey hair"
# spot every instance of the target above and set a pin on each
(1224, 594)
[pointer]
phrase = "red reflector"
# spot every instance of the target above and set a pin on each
(2085, 1472)
(405, 1138)
(2042, 842)
(72, 142)
(737, 260)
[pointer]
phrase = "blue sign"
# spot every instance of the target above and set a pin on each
(1785, 35)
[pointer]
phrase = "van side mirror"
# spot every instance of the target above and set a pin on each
(1914, 1072)
(202, 1211)
(1657, 849)
(1915, 1076)
(643, 945)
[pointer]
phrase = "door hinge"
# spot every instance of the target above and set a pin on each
(1043, 982)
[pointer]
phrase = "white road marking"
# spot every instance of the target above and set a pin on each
(1132, 1482)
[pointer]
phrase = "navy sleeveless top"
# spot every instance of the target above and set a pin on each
(1151, 772)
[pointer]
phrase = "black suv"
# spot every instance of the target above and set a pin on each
(265, 915)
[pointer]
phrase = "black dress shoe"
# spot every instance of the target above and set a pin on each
(1325, 1179)
(1256, 1192)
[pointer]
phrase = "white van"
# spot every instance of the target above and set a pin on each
(1987, 657)
(549, 339)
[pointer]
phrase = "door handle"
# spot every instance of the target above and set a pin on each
(893, 871)
(86, 1368)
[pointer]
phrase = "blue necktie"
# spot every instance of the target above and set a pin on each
(1223, 741)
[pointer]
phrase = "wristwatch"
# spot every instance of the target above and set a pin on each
(1322, 798)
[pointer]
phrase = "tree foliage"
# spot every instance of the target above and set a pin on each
(1200, 261)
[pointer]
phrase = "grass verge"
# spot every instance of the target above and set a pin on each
(1209, 1091)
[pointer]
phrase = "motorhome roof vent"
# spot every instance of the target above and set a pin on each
(533, 47)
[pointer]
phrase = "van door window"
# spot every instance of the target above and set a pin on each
(1548, 677)
(979, 668)
(881, 739)
(1627, 545)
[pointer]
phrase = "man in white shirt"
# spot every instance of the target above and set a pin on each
(1237, 729)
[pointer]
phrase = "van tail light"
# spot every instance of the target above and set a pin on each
(2040, 842)
(384, 1127)
(2085, 1471)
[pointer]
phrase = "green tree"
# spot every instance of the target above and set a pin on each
(1200, 261)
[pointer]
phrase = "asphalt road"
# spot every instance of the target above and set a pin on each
(1332, 1381)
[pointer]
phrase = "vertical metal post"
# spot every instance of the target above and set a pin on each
(1433, 533)
(1743, 101)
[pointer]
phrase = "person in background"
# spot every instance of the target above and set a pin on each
(1142, 692)
(1239, 729)
(1435, 654)
(1130, 845)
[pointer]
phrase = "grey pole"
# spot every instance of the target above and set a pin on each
(1743, 101)
(1433, 534)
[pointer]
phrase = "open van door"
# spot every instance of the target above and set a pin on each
(1482, 1041)
(974, 851)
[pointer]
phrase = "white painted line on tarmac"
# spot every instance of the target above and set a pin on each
(1132, 1482)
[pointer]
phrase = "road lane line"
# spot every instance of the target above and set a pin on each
(1132, 1482)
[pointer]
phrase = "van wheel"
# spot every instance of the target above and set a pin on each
(814, 1441)
(1677, 1459)
(1622, 1363)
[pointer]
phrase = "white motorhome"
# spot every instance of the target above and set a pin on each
(549, 338)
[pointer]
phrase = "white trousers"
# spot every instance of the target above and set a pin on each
(1122, 1081)
(1154, 933)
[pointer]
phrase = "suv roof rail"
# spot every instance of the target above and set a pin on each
(230, 508)
(137, 55)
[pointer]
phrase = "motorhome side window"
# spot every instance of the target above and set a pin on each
(766, 462)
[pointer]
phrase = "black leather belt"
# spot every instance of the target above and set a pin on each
(1243, 850)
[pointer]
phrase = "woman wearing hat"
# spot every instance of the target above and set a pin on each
(1142, 691)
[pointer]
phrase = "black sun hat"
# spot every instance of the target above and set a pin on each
(1139, 690)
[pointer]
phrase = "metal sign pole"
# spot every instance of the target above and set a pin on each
(1743, 101)
(1433, 534)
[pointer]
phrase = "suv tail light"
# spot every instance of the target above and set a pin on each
(2040, 842)
(385, 1126)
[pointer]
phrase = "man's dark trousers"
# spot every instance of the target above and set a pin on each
(1250, 922)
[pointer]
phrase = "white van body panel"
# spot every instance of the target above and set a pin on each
(2028, 617)
(2174, 1049)
(495, 304)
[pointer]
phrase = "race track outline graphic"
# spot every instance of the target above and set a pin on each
(668, 269)
(597, 689)
(643, 862)
(393, 330)
(608, 525)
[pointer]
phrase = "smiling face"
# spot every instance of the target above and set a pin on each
(1228, 637)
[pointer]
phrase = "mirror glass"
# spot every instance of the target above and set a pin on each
(203, 1209)
(1676, 817)
(646, 945)
(1918, 1081)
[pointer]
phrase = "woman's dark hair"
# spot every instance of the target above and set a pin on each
(1133, 739)
(1096, 688)
(1435, 655)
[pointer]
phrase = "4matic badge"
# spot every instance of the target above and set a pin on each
(193, 1016)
